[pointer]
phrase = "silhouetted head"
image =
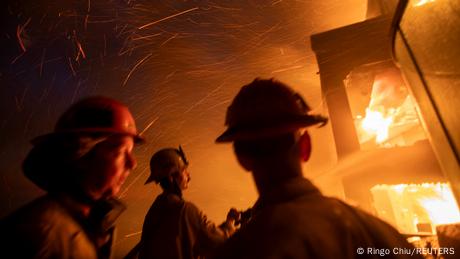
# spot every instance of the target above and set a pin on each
(89, 153)
(266, 122)
(169, 168)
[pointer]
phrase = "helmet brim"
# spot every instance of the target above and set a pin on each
(138, 139)
(149, 180)
(274, 128)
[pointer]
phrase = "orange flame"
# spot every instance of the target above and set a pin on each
(377, 124)
(390, 111)
(427, 203)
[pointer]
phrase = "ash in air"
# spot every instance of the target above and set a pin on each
(176, 64)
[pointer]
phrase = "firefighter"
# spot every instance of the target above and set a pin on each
(173, 227)
(81, 165)
(292, 219)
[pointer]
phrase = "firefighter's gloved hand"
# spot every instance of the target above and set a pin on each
(229, 226)
(233, 215)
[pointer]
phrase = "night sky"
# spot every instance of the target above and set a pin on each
(176, 64)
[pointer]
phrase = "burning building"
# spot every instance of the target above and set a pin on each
(396, 140)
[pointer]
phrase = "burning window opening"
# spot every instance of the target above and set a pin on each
(416, 208)
(384, 113)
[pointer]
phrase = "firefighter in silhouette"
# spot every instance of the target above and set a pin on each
(173, 227)
(267, 124)
(81, 165)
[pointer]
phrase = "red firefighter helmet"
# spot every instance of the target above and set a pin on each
(266, 108)
(96, 115)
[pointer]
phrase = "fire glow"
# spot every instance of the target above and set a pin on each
(377, 124)
(414, 208)
(379, 118)
(423, 2)
(389, 114)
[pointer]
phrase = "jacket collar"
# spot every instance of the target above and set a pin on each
(100, 216)
(286, 191)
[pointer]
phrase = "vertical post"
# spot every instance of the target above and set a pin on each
(346, 139)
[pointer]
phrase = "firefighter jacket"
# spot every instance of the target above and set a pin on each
(297, 221)
(175, 228)
(52, 227)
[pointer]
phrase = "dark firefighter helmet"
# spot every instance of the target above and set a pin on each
(96, 115)
(266, 108)
(166, 162)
